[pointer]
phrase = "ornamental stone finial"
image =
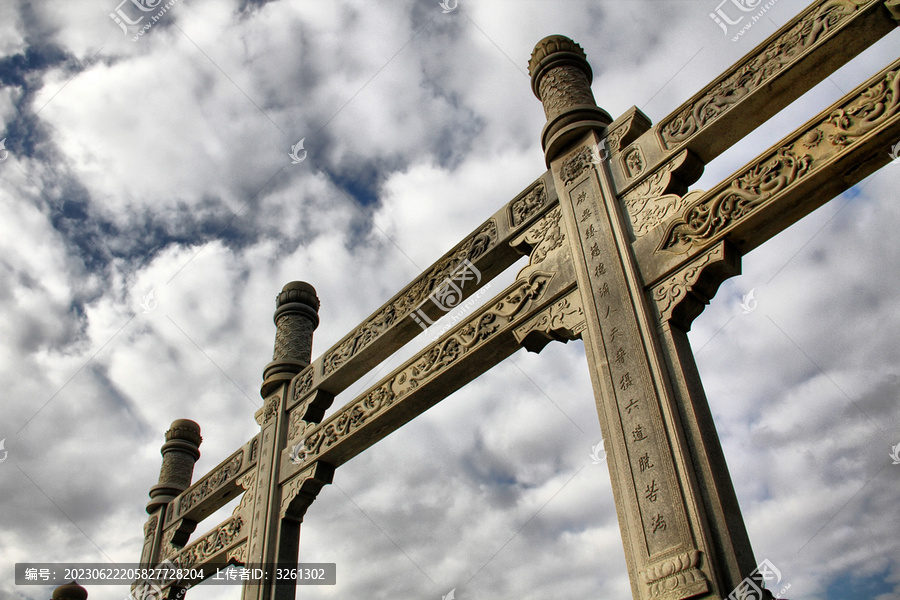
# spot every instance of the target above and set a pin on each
(296, 317)
(69, 591)
(561, 79)
(180, 452)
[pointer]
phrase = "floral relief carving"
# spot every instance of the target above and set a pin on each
(758, 70)
(672, 291)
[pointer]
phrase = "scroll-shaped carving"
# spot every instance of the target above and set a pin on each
(796, 159)
(682, 297)
(758, 70)
(210, 544)
(238, 554)
(299, 492)
(150, 526)
(248, 484)
(212, 482)
(576, 164)
(657, 196)
(527, 204)
(410, 298)
(676, 577)
(431, 361)
(563, 321)
(545, 236)
(268, 412)
(297, 425)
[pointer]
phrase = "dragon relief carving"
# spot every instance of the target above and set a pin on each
(443, 353)
(410, 298)
(758, 70)
(746, 193)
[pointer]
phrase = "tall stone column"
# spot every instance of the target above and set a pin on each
(274, 535)
(678, 516)
(296, 317)
(179, 453)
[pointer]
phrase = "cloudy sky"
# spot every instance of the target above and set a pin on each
(161, 165)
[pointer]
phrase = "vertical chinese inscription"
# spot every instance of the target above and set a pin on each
(655, 489)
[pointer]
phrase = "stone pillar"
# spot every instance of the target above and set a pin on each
(180, 452)
(69, 591)
(274, 535)
(679, 519)
(296, 317)
(561, 79)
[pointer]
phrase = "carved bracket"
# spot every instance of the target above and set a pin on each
(661, 194)
(683, 296)
(562, 321)
(298, 493)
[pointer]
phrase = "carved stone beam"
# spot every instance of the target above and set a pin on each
(465, 352)
(783, 67)
(226, 543)
(439, 288)
(215, 489)
(830, 153)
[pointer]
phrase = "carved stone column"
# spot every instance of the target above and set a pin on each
(672, 494)
(274, 535)
(296, 317)
(180, 452)
(561, 79)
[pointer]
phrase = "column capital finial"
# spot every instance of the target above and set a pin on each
(561, 79)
